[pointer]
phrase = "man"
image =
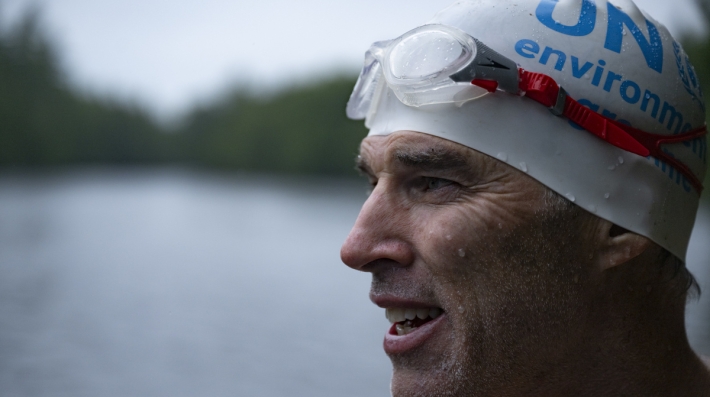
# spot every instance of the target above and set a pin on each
(523, 239)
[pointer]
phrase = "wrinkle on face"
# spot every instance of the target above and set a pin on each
(505, 298)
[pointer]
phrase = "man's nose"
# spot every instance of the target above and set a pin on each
(380, 232)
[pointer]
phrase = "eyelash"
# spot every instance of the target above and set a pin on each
(429, 184)
(432, 181)
(371, 183)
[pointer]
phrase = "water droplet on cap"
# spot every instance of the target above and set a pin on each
(606, 196)
(571, 197)
(621, 160)
(611, 167)
(524, 167)
(593, 209)
(502, 156)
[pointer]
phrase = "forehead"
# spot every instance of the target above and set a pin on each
(415, 149)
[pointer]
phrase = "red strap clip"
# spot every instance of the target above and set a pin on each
(545, 90)
(489, 85)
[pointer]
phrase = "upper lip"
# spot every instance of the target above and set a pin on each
(389, 301)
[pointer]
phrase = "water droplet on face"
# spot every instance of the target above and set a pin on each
(500, 225)
(571, 197)
(460, 309)
(524, 167)
(462, 253)
(621, 160)
(448, 237)
(502, 156)
(606, 196)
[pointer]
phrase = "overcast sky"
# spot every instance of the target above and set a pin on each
(168, 54)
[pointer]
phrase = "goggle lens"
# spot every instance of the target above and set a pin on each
(361, 98)
(426, 55)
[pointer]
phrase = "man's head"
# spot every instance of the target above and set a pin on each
(624, 70)
(524, 278)
(528, 247)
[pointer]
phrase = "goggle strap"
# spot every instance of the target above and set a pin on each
(545, 90)
(488, 85)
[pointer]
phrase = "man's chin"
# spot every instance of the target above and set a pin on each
(430, 367)
(415, 383)
(441, 372)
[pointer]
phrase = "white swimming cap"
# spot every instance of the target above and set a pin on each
(612, 58)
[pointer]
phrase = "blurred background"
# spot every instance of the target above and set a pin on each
(176, 178)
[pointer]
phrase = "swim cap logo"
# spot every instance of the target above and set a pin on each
(652, 48)
(687, 75)
(585, 25)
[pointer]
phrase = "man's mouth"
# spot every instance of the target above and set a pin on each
(406, 321)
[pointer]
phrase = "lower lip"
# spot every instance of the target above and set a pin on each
(397, 344)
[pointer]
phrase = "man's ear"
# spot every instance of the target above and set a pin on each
(619, 245)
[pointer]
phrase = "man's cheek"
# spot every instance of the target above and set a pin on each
(500, 217)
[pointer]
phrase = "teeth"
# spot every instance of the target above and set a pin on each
(403, 329)
(398, 315)
(395, 315)
(410, 314)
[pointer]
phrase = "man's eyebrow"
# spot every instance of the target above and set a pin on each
(433, 159)
(362, 166)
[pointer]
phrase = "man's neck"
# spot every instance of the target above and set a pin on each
(640, 350)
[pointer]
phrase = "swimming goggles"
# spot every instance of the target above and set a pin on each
(437, 64)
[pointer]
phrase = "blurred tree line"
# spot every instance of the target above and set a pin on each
(44, 122)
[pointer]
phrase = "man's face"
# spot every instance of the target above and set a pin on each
(450, 229)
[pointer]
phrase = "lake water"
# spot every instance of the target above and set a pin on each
(170, 282)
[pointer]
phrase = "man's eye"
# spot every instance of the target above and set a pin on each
(437, 183)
